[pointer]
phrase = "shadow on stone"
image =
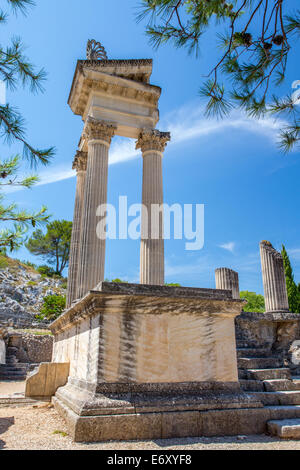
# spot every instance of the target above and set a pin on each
(5, 424)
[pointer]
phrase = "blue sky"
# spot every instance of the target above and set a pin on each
(250, 190)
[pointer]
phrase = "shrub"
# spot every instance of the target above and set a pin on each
(172, 284)
(29, 264)
(45, 270)
(3, 261)
(52, 308)
(256, 302)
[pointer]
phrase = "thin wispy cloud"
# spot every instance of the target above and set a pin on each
(230, 246)
(189, 123)
(294, 254)
(185, 123)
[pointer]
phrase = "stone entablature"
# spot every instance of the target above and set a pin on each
(116, 91)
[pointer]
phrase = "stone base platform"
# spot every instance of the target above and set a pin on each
(153, 411)
(152, 361)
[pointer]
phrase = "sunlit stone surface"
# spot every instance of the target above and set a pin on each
(2, 352)
(146, 360)
(129, 334)
(276, 298)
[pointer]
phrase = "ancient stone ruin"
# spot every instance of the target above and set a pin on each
(144, 361)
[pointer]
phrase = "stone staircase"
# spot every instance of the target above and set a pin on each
(265, 377)
(13, 370)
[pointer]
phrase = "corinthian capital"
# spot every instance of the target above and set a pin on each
(153, 140)
(80, 161)
(99, 130)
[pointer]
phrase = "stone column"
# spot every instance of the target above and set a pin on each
(229, 280)
(79, 164)
(273, 274)
(3, 336)
(152, 270)
(92, 249)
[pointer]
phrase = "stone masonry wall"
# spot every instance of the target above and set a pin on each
(35, 348)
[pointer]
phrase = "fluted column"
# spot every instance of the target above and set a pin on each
(152, 269)
(79, 164)
(92, 249)
(276, 298)
(228, 279)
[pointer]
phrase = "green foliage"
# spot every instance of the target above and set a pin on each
(18, 221)
(255, 302)
(29, 264)
(172, 284)
(52, 308)
(16, 72)
(3, 262)
(61, 433)
(46, 271)
(292, 289)
(255, 39)
(117, 280)
(54, 245)
(32, 283)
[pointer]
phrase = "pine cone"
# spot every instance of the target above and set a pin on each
(278, 40)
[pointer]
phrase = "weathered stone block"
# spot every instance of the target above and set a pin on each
(46, 380)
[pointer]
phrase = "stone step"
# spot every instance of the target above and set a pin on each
(252, 352)
(283, 411)
(284, 428)
(8, 367)
(240, 344)
(13, 376)
(20, 400)
(251, 385)
(259, 363)
(280, 385)
(11, 361)
(277, 398)
(19, 378)
(267, 374)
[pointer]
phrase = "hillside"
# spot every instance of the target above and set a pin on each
(22, 290)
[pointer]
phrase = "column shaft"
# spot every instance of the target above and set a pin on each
(79, 164)
(228, 279)
(92, 249)
(276, 299)
(152, 270)
(152, 250)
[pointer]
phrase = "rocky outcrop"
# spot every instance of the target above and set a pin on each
(22, 291)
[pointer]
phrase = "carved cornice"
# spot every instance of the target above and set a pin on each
(115, 90)
(149, 300)
(153, 140)
(127, 79)
(99, 130)
(80, 161)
